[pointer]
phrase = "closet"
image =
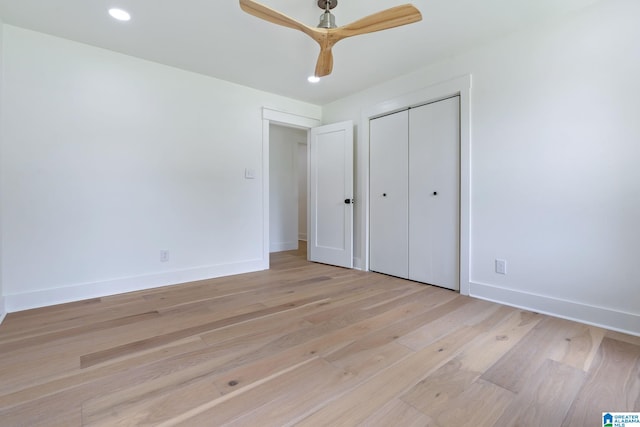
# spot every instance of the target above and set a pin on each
(414, 193)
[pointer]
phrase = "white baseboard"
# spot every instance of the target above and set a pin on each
(3, 310)
(283, 246)
(47, 297)
(628, 323)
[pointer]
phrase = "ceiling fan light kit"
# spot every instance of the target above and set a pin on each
(327, 34)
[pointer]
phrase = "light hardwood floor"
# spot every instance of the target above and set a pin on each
(310, 345)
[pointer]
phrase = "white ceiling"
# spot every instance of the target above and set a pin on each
(214, 37)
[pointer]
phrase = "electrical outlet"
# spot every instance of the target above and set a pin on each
(164, 256)
(501, 266)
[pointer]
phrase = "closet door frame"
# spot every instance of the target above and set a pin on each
(460, 86)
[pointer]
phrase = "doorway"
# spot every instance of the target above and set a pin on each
(287, 187)
(330, 187)
(285, 120)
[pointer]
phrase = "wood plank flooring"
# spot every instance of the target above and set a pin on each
(308, 345)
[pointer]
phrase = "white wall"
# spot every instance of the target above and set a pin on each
(302, 191)
(109, 159)
(3, 310)
(283, 187)
(554, 152)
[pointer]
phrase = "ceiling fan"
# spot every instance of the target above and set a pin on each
(327, 34)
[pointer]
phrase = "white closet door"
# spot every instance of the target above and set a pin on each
(434, 193)
(388, 195)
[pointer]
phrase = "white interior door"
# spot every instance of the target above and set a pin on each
(388, 194)
(331, 194)
(434, 193)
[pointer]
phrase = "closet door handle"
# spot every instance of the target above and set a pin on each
(348, 201)
(435, 193)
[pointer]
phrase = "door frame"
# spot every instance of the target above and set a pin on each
(271, 116)
(460, 86)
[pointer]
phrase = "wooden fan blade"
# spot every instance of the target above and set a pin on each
(263, 12)
(326, 38)
(324, 66)
(389, 18)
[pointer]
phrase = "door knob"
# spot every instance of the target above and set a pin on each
(435, 193)
(348, 201)
(384, 194)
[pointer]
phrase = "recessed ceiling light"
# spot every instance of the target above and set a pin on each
(313, 79)
(119, 14)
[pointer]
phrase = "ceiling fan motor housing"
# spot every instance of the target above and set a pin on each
(327, 20)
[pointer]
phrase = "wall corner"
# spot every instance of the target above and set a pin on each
(3, 310)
